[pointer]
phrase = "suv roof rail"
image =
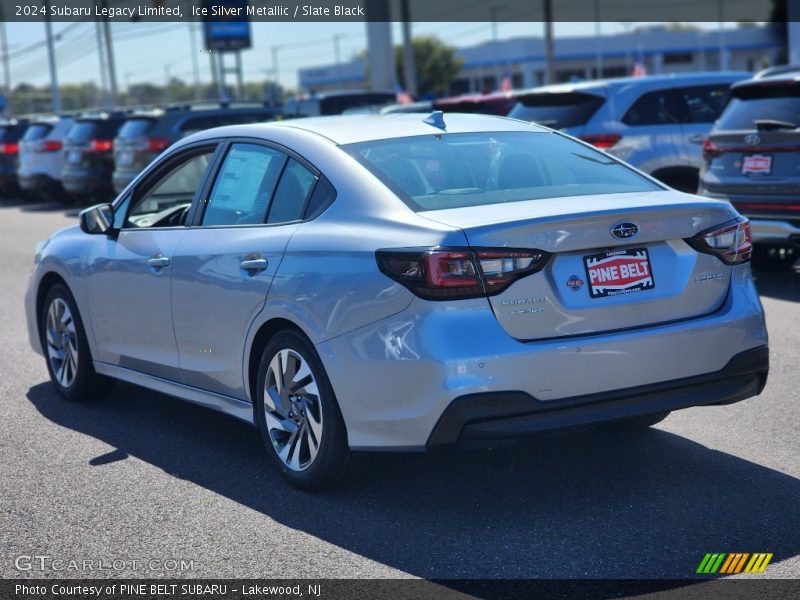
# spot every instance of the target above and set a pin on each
(777, 70)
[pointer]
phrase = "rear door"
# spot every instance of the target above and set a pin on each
(223, 267)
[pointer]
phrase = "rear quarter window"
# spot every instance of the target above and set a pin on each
(660, 107)
(36, 132)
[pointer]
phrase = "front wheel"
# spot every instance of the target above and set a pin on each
(69, 360)
(297, 414)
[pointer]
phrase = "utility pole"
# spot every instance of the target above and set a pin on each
(598, 42)
(409, 61)
(51, 58)
(4, 50)
(102, 58)
(549, 72)
(239, 76)
(195, 60)
(336, 54)
(112, 70)
(275, 74)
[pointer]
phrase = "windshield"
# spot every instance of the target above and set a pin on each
(558, 111)
(471, 169)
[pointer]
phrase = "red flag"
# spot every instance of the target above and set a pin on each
(639, 70)
(401, 95)
(506, 85)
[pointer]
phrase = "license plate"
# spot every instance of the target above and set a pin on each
(757, 163)
(74, 156)
(125, 157)
(618, 272)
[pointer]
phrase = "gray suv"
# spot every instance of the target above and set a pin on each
(752, 159)
(657, 123)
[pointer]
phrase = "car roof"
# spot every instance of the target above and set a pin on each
(789, 78)
(649, 80)
(350, 129)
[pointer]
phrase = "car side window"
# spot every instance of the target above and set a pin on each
(166, 203)
(293, 190)
(704, 104)
(654, 108)
(244, 185)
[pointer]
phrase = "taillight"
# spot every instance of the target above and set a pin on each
(157, 144)
(49, 146)
(8, 148)
(710, 149)
(452, 274)
(602, 140)
(101, 146)
(730, 242)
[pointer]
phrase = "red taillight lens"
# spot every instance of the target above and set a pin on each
(157, 144)
(602, 140)
(452, 274)
(730, 242)
(101, 146)
(49, 146)
(9, 148)
(710, 149)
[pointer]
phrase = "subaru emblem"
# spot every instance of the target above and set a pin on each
(752, 139)
(625, 230)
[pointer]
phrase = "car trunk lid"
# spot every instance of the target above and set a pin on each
(593, 281)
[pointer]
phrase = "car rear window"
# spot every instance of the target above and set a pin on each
(194, 124)
(336, 105)
(11, 132)
(468, 169)
(61, 129)
(36, 132)
(134, 128)
(761, 103)
(559, 110)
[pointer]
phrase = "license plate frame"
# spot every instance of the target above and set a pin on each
(757, 164)
(619, 272)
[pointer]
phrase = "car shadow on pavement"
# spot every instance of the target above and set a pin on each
(578, 504)
(782, 285)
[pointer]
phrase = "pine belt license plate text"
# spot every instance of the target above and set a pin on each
(618, 272)
(757, 163)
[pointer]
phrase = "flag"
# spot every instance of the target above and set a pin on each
(401, 95)
(506, 85)
(639, 70)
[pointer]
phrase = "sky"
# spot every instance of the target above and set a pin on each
(150, 52)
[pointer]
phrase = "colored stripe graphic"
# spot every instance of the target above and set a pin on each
(734, 563)
(710, 563)
(758, 563)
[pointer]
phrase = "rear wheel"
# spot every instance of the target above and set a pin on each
(298, 415)
(632, 423)
(69, 360)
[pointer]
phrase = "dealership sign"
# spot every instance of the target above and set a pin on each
(226, 25)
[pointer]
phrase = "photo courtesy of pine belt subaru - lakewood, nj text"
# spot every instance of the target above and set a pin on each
(402, 282)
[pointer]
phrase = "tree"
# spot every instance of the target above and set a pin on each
(436, 65)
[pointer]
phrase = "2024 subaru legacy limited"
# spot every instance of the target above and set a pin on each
(402, 282)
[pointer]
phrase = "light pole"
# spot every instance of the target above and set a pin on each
(336, 38)
(51, 59)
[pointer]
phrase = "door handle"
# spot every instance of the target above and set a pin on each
(697, 139)
(159, 261)
(254, 265)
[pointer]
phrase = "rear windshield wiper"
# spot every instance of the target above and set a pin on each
(762, 124)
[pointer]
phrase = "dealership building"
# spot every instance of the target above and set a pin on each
(658, 49)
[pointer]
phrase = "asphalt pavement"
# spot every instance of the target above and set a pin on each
(169, 489)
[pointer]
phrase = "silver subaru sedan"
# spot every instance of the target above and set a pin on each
(402, 282)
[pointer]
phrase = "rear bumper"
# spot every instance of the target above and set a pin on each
(395, 379)
(778, 229)
(502, 415)
(39, 183)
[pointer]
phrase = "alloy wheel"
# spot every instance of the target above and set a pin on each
(293, 410)
(62, 343)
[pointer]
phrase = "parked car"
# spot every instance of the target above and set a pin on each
(495, 103)
(41, 157)
(752, 159)
(657, 123)
(146, 134)
(10, 133)
(424, 106)
(89, 155)
(402, 282)
(335, 103)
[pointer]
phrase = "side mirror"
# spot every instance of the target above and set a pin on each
(97, 219)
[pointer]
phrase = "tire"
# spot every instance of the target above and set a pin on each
(633, 423)
(304, 432)
(67, 354)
